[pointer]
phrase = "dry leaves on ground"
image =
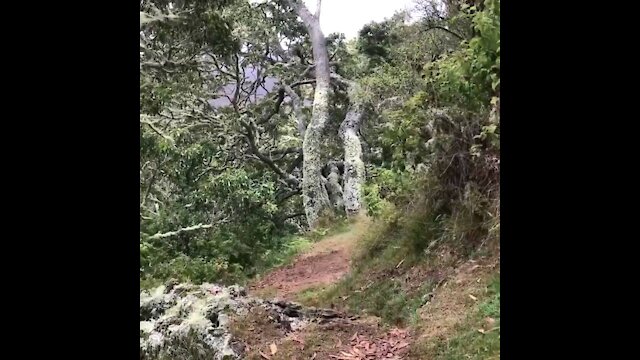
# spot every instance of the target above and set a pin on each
(392, 346)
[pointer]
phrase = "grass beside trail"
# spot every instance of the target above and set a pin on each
(476, 338)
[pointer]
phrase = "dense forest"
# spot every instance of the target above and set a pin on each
(259, 132)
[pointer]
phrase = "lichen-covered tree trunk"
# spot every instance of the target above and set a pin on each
(354, 170)
(314, 194)
(334, 188)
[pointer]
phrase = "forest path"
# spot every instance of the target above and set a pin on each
(326, 262)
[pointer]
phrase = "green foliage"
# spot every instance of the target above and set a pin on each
(209, 211)
(374, 40)
(442, 143)
(471, 75)
(436, 187)
(243, 203)
(491, 307)
(432, 130)
(190, 269)
(384, 295)
(283, 253)
(385, 190)
(387, 300)
(374, 202)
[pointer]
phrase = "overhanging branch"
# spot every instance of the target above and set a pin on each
(445, 30)
(156, 130)
(179, 231)
(288, 178)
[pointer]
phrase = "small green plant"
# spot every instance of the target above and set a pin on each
(329, 225)
(291, 246)
(311, 296)
(491, 307)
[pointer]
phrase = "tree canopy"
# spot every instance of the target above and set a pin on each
(255, 126)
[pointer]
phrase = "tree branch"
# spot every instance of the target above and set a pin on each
(446, 30)
(289, 194)
(291, 216)
(152, 181)
(179, 231)
(303, 82)
(288, 178)
(236, 93)
(156, 130)
(276, 108)
(340, 79)
(297, 110)
(208, 170)
(289, 150)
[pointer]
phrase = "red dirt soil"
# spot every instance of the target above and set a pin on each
(325, 263)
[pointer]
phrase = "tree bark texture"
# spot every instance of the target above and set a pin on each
(354, 170)
(314, 194)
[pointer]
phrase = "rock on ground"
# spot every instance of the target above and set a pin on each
(185, 321)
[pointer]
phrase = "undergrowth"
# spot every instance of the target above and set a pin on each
(191, 346)
(380, 284)
(478, 337)
(414, 242)
(283, 255)
(203, 269)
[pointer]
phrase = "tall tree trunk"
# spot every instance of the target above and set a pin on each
(354, 171)
(314, 194)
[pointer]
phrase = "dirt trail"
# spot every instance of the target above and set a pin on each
(324, 263)
(360, 337)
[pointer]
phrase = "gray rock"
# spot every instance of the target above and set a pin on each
(186, 321)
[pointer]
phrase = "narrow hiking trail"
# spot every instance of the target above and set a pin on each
(326, 262)
(350, 336)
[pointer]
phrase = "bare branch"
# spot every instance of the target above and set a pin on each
(289, 194)
(340, 79)
(238, 83)
(303, 82)
(331, 63)
(179, 231)
(297, 110)
(219, 68)
(445, 30)
(276, 108)
(152, 181)
(288, 178)
(289, 150)
(210, 169)
(156, 130)
(291, 216)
